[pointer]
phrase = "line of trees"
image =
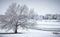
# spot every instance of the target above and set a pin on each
(50, 17)
(15, 16)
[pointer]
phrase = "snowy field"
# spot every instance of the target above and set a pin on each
(46, 25)
(32, 33)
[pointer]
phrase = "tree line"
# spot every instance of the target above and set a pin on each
(50, 17)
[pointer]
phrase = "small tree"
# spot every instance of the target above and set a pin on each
(17, 15)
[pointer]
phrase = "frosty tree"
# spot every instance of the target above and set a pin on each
(15, 16)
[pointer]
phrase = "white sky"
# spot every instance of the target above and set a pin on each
(39, 6)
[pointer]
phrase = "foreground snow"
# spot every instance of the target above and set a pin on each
(32, 33)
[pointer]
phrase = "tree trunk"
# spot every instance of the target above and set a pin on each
(16, 29)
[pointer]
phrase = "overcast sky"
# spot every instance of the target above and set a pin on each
(39, 6)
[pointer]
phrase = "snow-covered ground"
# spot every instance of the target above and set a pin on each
(32, 33)
(46, 25)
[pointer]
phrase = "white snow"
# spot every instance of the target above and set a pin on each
(36, 33)
(32, 33)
